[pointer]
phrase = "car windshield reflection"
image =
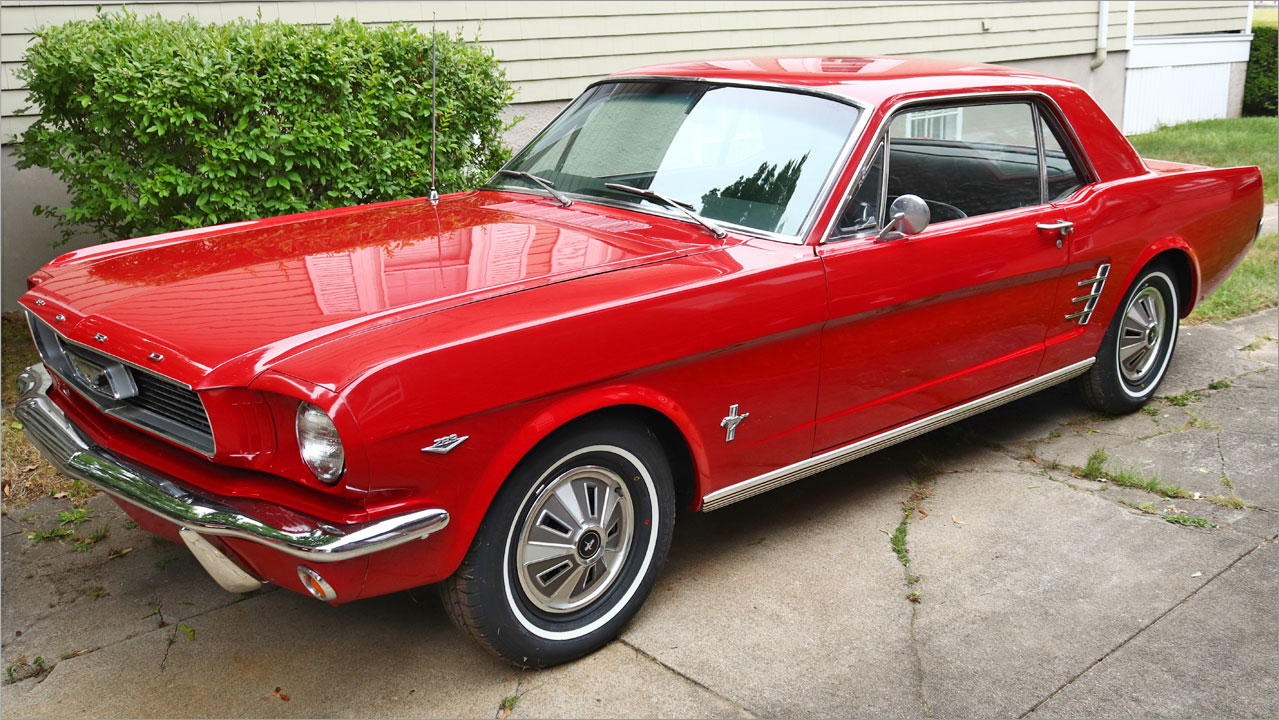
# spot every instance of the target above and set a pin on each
(748, 156)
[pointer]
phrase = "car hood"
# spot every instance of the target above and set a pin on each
(222, 304)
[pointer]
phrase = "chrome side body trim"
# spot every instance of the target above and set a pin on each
(1098, 283)
(77, 456)
(838, 456)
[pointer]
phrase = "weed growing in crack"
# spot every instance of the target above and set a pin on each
(1097, 469)
(54, 534)
(1146, 507)
(914, 597)
(1184, 399)
(1184, 519)
(1226, 481)
(1256, 343)
(75, 516)
(1229, 501)
(1150, 410)
(898, 538)
(1218, 384)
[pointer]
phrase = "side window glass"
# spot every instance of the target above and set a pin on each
(1063, 174)
(863, 210)
(965, 161)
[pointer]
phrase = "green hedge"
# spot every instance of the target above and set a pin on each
(158, 125)
(1260, 90)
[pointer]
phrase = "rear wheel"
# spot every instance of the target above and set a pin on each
(1137, 347)
(569, 549)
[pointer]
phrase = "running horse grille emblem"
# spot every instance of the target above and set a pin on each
(731, 422)
(1097, 283)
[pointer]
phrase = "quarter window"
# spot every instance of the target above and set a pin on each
(1061, 170)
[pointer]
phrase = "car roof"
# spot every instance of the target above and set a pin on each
(870, 79)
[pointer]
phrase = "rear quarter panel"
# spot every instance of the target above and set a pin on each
(1208, 215)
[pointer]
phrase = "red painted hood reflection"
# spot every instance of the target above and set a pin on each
(260, 290)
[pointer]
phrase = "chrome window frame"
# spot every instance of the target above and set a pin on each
(820, 200)
(113, 412)
(982, 98)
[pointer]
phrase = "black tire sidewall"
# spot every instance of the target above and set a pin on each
(535, 638)
(1121, 392)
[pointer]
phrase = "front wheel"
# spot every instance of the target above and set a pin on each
(1137, 347)
(569, 549)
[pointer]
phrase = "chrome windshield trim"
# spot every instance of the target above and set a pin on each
(840, 455)
(881, 133)
(310, 538)
(820, 198)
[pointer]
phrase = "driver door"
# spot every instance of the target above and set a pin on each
(923, 322)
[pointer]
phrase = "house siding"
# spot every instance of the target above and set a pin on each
(551, 49)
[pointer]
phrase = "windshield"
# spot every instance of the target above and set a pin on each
(751, 157)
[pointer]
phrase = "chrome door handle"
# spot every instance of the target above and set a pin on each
(1063, 228)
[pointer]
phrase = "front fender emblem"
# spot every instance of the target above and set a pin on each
(731, 422)
(445, 444)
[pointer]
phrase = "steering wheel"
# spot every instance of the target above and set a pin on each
(941, 212)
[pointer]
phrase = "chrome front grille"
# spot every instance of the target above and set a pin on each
(134, 395)
(163, 397)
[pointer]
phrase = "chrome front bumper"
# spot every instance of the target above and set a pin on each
(73, 453)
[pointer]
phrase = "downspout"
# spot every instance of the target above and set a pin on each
(1103, 30)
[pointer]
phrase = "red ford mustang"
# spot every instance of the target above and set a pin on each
(700, 282)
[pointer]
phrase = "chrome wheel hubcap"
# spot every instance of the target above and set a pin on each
(1141, 334)
(575, 539)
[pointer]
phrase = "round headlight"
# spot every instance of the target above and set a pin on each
(319, 444)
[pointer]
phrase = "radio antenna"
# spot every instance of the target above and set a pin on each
(435, 196)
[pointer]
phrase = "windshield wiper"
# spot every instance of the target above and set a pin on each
(547, 185)
(686, 208)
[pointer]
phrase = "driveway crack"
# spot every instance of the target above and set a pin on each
(923, 481)
(745, 711)
(1143, 628)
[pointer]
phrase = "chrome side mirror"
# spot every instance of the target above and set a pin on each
(908, 215)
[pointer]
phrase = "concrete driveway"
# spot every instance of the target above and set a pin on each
(1039, 593)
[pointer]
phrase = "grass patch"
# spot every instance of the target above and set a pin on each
(24, 474)
(1184, 519)
(1266, 16)
(1228, 142)
(1250, 288)
(1097, 469)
